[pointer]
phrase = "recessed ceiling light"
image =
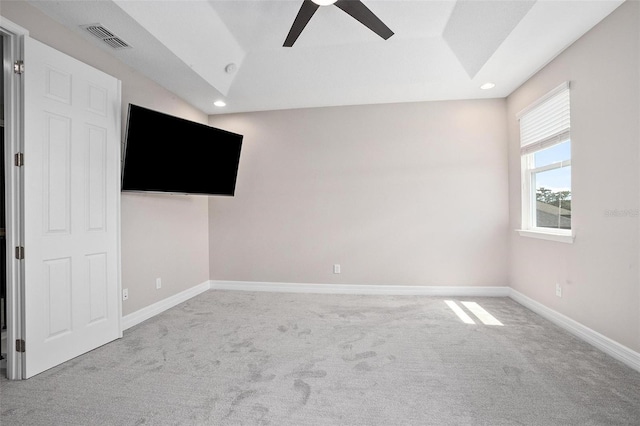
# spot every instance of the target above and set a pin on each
(220, 103)
(488, 86)
(324, 2)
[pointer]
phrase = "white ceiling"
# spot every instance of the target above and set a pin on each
(441, 50)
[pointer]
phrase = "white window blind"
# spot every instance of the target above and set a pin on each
(547, 122)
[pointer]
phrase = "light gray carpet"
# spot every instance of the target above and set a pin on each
(238, 358)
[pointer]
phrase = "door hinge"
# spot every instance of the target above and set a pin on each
(19, 159)
(18, 67)
(20, 345)
(19, 252)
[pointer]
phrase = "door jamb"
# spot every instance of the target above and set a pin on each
(13, 37)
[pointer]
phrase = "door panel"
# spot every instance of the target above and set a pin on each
(56, 180)
(71, 208)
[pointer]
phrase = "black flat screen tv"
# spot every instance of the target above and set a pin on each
(172, 155)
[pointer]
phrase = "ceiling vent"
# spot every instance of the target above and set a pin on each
(97, 30)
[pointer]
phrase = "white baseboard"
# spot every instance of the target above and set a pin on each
(393, 290)
(150, 311)
(606, 345)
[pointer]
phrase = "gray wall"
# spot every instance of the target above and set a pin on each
(599, 272)
(162, 236)
(399, 194)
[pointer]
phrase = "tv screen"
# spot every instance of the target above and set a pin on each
(169, 154)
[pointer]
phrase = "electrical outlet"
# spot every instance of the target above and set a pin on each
(158, 283)
(125, 294)
(558, 290)
(336, 268)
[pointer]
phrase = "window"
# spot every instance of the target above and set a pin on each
(545, 149)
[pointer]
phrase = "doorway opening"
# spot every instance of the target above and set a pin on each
(3, 240)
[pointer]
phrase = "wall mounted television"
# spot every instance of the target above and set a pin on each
(171, 155)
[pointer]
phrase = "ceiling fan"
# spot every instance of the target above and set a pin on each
(355, 8)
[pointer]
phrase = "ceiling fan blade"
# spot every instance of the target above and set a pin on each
(360, 12)
(305, 13)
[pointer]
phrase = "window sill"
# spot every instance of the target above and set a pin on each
(549, 236)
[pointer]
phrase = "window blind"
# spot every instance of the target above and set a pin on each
(547, 122)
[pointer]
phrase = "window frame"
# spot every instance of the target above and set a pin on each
(528, 223)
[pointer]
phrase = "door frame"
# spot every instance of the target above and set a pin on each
(13, 38)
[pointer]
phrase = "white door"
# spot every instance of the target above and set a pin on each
(71, 208)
